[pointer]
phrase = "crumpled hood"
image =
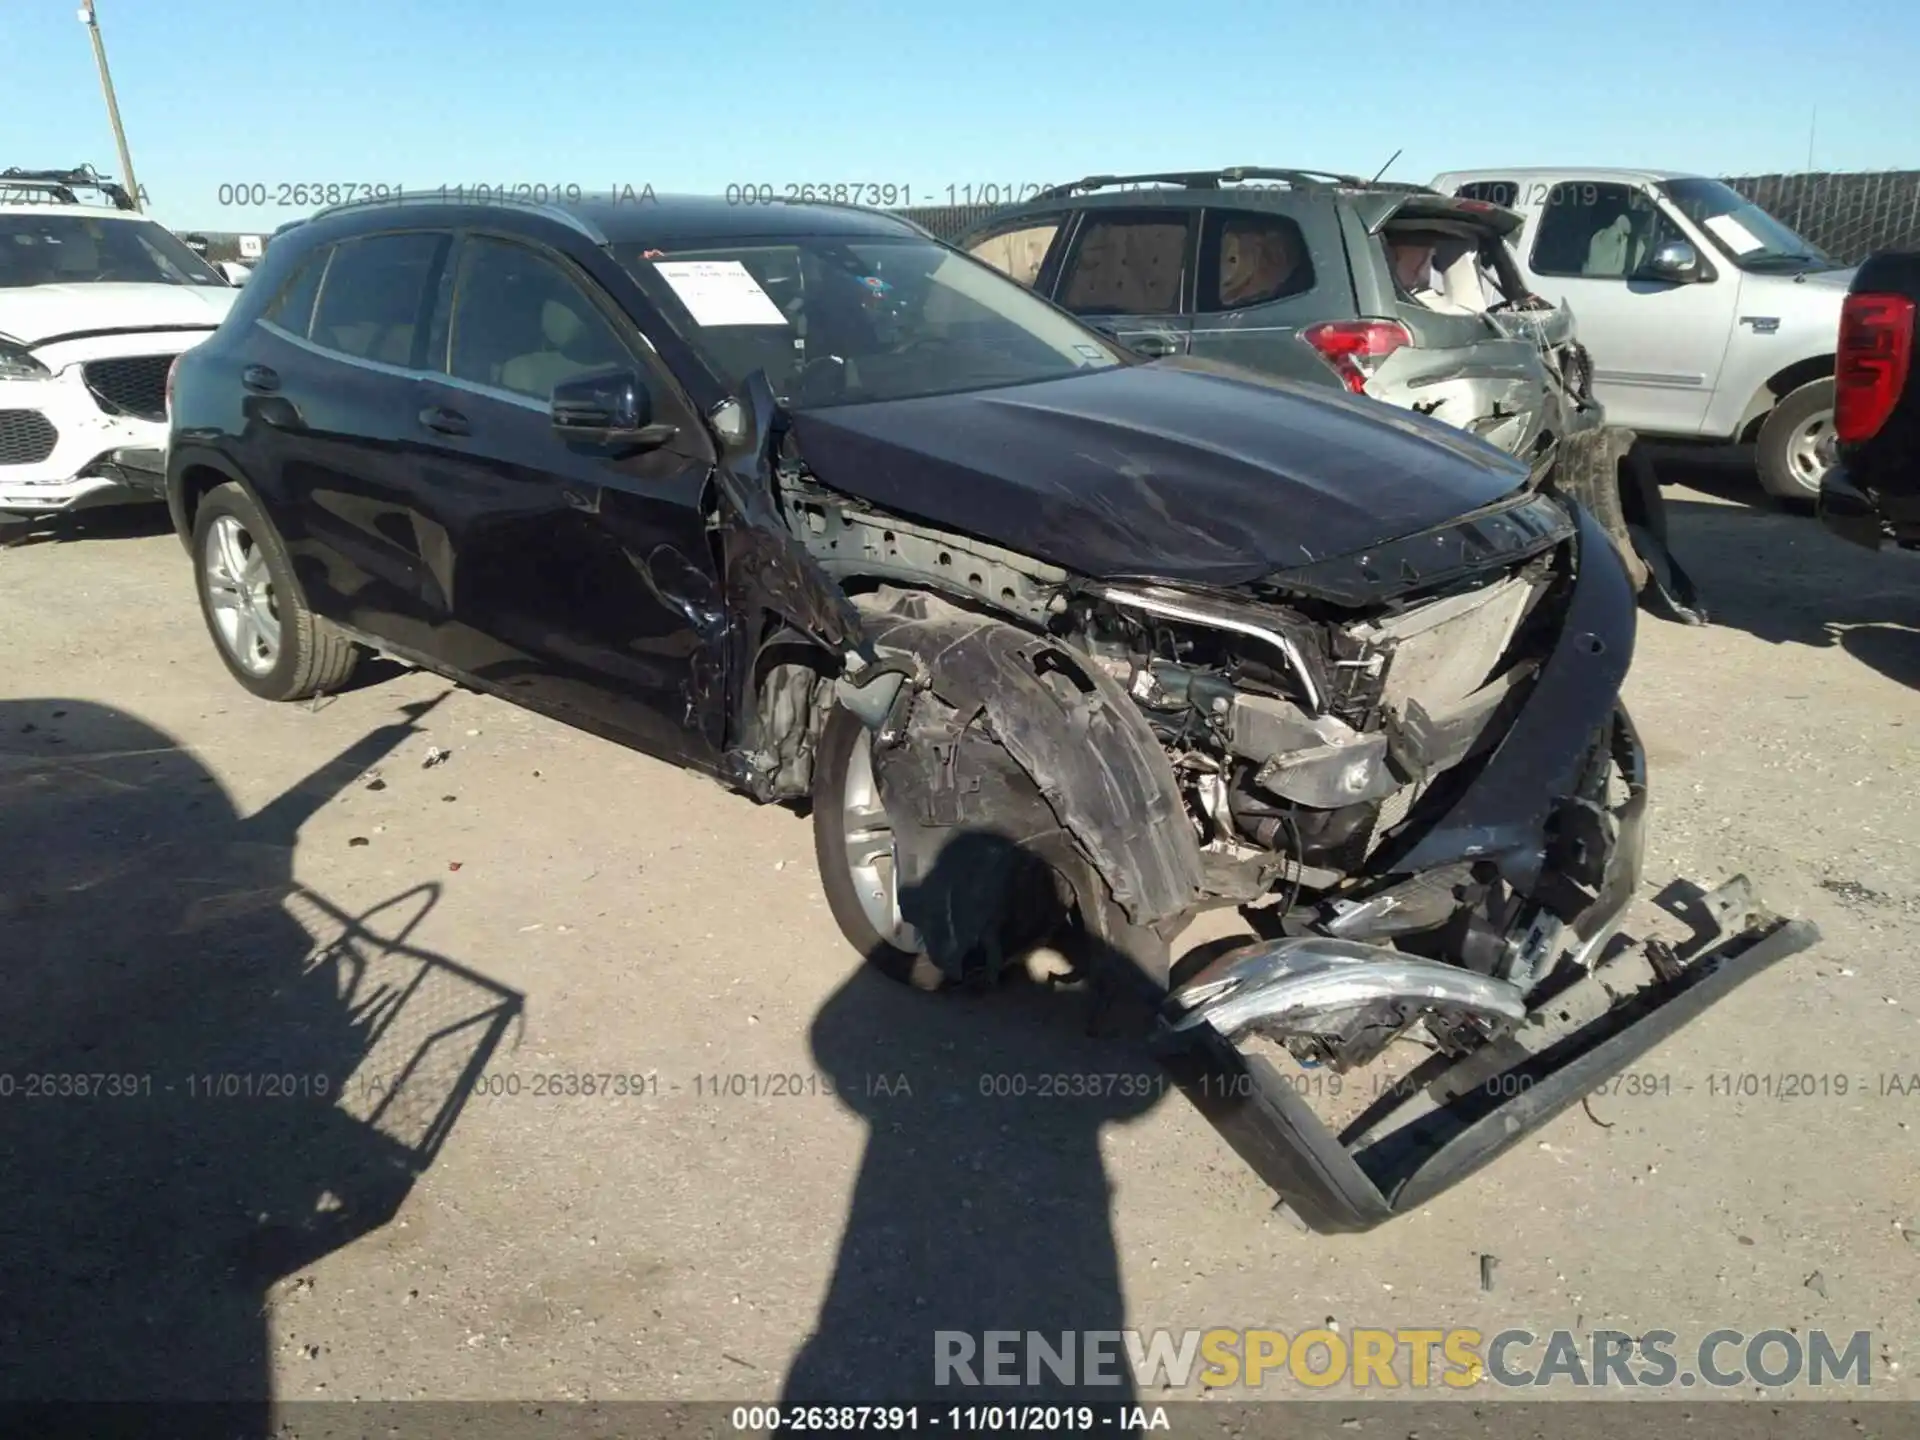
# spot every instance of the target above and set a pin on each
(1180, 470)
(36, 313)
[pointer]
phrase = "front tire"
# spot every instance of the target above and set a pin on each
(1792, 441)
(853, 846)
(270, 641)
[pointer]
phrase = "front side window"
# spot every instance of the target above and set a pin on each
(1598, 230)
(521, 324)
(1128, 265)
(1018, 252)
(836, 320)
(374, 295)
(54, 249)
(1257, 259)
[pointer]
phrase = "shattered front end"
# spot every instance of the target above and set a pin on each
(1456, 800)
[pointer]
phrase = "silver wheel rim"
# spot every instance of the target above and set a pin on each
(868, 843)
(240, 594)
(1810, 451)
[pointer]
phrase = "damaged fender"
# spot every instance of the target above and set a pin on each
(1074, 734)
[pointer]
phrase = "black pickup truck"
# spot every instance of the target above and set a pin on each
(1872, 494)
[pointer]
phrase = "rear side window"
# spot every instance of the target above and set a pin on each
(1019, 250)
(292, 308)
(1129, 264)
(1503, 193)
(373, 302)
(1252, 259)
(522, 324)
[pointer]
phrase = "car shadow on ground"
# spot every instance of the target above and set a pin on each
(1778, 574)
(106, 522)
(982, 1202)
(210, 1076)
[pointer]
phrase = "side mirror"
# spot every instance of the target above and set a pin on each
(611, 408)
(1675, 260)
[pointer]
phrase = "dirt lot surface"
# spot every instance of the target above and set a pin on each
(269, 939)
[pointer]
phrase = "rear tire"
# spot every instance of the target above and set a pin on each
(1790, 439)
(269, 640)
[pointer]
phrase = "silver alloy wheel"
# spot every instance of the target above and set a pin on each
(240, 592)
(868, 839)
(1810, 451)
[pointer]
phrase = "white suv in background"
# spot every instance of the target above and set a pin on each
(1707, 319)
(95, 304)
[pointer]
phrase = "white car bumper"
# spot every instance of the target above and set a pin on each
(94, 432)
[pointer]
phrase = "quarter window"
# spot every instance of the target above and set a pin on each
(1257, 259)
(292, 308)
(373, 297)
(1018, 253)
(521, 324)
(1128, 265)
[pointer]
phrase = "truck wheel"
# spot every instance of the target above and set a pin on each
(271, 643)
(1793, 443)
(853, 844)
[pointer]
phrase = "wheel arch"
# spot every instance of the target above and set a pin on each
(1776, 388)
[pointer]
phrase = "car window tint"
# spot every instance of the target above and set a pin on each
(522, 324)
(292, 308)
(372, 296)
(1134, 265)
(1596, 230)
(1260, 258)
(1493, 192)
(1018, 252)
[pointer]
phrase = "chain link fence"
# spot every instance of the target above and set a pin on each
(1850, 216)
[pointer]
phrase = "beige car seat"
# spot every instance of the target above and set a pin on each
(1255, 265)
(1607, 251)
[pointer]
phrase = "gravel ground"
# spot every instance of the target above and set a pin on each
(195, 885)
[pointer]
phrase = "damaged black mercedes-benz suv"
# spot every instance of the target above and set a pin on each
(1056, 640)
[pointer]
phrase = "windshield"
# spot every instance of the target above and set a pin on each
(835, 321)
(89, 250)
(1749, 236)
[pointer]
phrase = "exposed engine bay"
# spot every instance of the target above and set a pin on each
(1408, 768)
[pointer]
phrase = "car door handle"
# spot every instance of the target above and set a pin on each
(260, 379)
(443, 420)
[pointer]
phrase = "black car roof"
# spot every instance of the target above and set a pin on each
(640, 217)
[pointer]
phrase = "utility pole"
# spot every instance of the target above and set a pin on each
(92, 22)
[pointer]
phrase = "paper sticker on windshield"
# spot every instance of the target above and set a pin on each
(720, 292)
(1738, 238)
(1092, 352)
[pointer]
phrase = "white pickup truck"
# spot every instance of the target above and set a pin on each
(1706, 318)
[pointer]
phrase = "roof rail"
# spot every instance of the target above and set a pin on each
(1205, 179)
(533, 207)
(61, 184)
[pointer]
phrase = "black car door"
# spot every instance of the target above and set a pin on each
(331, 376)
(1130, 273)
(579, 575)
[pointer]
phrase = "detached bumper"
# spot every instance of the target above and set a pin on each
(1450, 1117)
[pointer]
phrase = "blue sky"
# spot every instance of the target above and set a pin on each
(697, 97)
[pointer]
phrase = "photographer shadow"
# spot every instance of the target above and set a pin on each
(212, 1076)
(982, 1202)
